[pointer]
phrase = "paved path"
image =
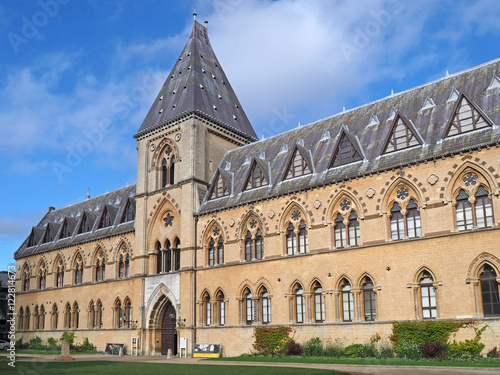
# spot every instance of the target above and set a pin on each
(353, 369)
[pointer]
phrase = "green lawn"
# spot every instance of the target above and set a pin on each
(361, 361)
(121, 368)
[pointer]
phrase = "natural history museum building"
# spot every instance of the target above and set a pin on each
(384, 213)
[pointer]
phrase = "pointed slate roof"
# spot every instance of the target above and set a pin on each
(115, 201)
(198, 84)
(429, 126)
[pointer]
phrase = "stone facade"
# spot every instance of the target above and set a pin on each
(385, 213)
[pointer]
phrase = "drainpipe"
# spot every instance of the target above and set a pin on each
(195, 267)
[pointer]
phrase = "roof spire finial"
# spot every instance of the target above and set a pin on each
(206, 21)
(88, 193)
(194, 14)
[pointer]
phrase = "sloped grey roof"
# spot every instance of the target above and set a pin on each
(430, 124)
(115, 201)
(198, 84)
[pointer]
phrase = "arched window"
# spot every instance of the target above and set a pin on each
(211, 253)
(484, 211)
(297, 241)
(42, 276)
(428, 296)
(177, 254)
(347, 302)
(248, 246)
(55, 316)
(319, 303)
(100, 268)
(249, 307)
(463, 210)
(216, 254)
(36, 319)
(300, 312)
(220, 251)
(159, 256)
(21, 319)
(489, 291)
(67, 316)
(26, 279)
(340, 233)
(119, 316)
(92, 315)
(98, 315)
(254, 246)
(291, 240)
(266, 306)
(60, 273)
(221, 308)
(172, 170)
(168, 168)
(123, 266)
(369, 304)
(78, 269)
(27, 317)
(353, 229)
(207, 310)
(407, 225)
(41, 318)
(75, 318)
(128, 313)
(164, 173)
(165, 258)
(127, 265)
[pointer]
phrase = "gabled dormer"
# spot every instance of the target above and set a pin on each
(129, 211)
(347, 150)
(107, 216)
(299, 164)
(258, 175)
(466, 117)
(86, 223)
(221, 185)
(402, 135)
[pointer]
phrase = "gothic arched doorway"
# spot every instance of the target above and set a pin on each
(168, 330)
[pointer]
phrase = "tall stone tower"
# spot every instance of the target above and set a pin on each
(195, 119)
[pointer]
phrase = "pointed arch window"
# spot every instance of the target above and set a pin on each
(100, 268)
(428, 296)
(92, 315)
(42, 277)
(26, 280)
(65, 230)
(168, 168)
(67, 316)
(401, 135)
(466, 117)
(106, 219)
(98, 314)
(297, 240)
(369, 303)
(60, 273)
(478, 214)
(123, 266)
(78, 270)
(207, 310)
(85, 224)
(266, 306)
(20, 317)
(297, 166)
(249, 307)
(127, 313)
(489, 291)
(300, 312)
(254, 246)
(36, 319)
(129, 212)
(177, 254)
(119, 315)
(340, 232)
(319, 304)
(216, 252)
(256, 177)
(27, 317)
(75, 316)
(345, 152)
(347, 302)
(55, 316)
(48, 235)
(407, 225)
(159, 257)
(221, 308)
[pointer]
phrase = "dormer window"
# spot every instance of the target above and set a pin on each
(345, 152)
(297, 166)
(401, 135)
(466, 117)
(220, 188)
(256, 177)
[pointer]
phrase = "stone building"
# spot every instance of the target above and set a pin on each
(386, 212)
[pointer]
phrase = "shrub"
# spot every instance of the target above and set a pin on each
(22, 345)
(408, 349)
(493, 353)
(422, 332)
(313, 348)
(294, 348)
(86, 346)
(334, 351)
(467, 349)
(52, 344)
(433, 350)
(370, 350)
(271, 340)
(36, 343)
(385, 351)
(354, 350)
(69, 337)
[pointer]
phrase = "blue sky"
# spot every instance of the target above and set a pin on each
(77, 77)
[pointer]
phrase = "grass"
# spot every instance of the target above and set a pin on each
(120, 368)
(362, 361)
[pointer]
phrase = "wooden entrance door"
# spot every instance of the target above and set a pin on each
(168, 331)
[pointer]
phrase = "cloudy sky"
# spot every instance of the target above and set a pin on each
(77, 77)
